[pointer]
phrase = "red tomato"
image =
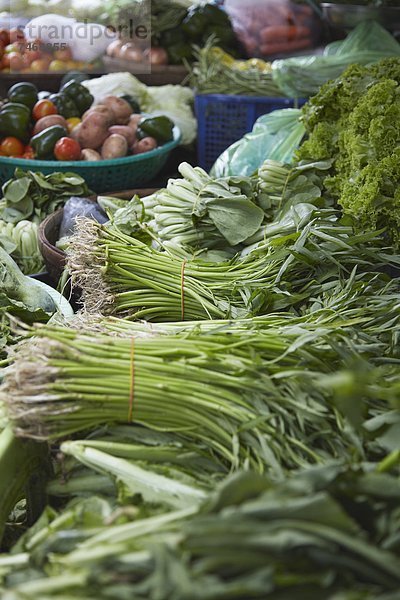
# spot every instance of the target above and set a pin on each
(5, 36)
(31, 55)
(67, 149)
(43, 108)
(11, 146)
(28, 152)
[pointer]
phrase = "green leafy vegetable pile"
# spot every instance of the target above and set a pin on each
(34, 196)
(324, 533)
(354, 121)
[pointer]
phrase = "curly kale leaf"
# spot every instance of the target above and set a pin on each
(355, 120)
(373, 197)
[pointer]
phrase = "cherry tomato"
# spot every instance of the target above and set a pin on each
(67, 149)
(43, 108)
(39, 65)
(15, 61)
(11, 146)
(28, 153)
(72, 123)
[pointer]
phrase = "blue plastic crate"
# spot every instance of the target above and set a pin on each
(223, 119)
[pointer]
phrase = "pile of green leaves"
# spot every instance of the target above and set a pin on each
(354, 120)
(327, 532)
(33, 196)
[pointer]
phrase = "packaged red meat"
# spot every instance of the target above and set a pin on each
(274, 28)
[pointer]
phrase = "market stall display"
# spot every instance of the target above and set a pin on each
(220, 416)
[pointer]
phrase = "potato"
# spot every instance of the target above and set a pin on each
(126, 131)
(104, 110)
(49, 121)
(93, 131)
(121, 109)
(115, 146)
(88, 154)
(144, 145)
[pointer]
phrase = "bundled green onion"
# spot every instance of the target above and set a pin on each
(263, 398)
(122, 275)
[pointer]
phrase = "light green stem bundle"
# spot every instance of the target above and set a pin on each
(119, 274)
(257, 399)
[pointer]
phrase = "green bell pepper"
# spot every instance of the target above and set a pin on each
(43, 143)
(177, 53)
(202, 16)
(15, 121)
(160, 128)
(172, 37)
(80, 95)
(65, 106)
(226, 38)
(23, 93)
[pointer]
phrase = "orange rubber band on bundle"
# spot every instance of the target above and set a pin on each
(183, 290)
(132, 382)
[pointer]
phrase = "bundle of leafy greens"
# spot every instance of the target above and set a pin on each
(292, 382)
(326, 532)
(308, 248)
(354, 120)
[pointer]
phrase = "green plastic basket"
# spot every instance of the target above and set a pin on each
(101, 176)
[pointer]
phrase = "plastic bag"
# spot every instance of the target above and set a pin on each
(301, 77)
(275, 136)
(273, 27)
(79, 207)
